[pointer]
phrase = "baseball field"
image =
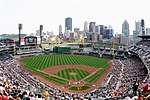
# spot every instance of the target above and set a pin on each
(72, 73)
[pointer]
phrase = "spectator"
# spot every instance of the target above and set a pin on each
(135, 87)
(140, 96)
(46, 94)
(5, 95)
(144, 87)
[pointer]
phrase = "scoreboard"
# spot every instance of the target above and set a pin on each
(30, 40)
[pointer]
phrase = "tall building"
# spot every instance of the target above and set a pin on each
(108, 33)
(147, 31)
(67, 33)
(60, 29)
(91, 37)
(104, 35)
(143, 27)
(68, 23)
(37, 32)
(77, 30)
(73, 36)
(101, 29)
(85, 26)
(92, 27)
(137, 32)
(97, 29)
(125, 29)
(138, 28)
(134, 37)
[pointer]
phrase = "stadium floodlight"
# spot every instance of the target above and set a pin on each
(20, 28)
(41, 28)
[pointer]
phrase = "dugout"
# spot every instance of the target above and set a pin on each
(62, 50)
(94, 54)
(47, 51)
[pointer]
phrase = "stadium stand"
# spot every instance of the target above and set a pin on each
(29, 50)
(127, 80)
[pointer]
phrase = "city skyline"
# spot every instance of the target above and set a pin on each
(52, 13)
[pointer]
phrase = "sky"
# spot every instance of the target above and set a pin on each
(52, 13)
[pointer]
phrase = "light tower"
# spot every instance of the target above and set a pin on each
(143, 27)
(41, 28)
(20, 28)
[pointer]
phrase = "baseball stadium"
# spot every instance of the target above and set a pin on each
(74, 73)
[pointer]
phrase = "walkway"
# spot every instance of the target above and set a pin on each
(120, 78)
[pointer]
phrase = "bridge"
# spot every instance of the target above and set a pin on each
(64, 44)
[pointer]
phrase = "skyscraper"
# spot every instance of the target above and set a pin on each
(85, 26)
(137, 32)
(60, 34)
(125, 29)
(109, 32)
(147, 31)
(97, 29)
(68, 23)
(138, 28)
(92, 27)
(60, 29)
(102, 29)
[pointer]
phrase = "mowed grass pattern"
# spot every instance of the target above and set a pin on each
(79, 74)
(42, 62)
(92, 79)
(51, 78)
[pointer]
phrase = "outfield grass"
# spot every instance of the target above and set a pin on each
(66, 74)
(41, 62)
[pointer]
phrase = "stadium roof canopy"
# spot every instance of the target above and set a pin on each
(146, 37)
(30, 37)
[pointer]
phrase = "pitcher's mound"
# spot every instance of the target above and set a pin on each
(72, 73)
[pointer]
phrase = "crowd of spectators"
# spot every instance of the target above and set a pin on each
(121, 79)
(143, 54)
(29, 50)
(109, 51)
(144, 43)
(127, 80)
(18, 83)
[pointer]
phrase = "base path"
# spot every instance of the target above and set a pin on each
(92, 86)
(55, 69)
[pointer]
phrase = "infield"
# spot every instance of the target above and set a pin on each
(61, 70)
